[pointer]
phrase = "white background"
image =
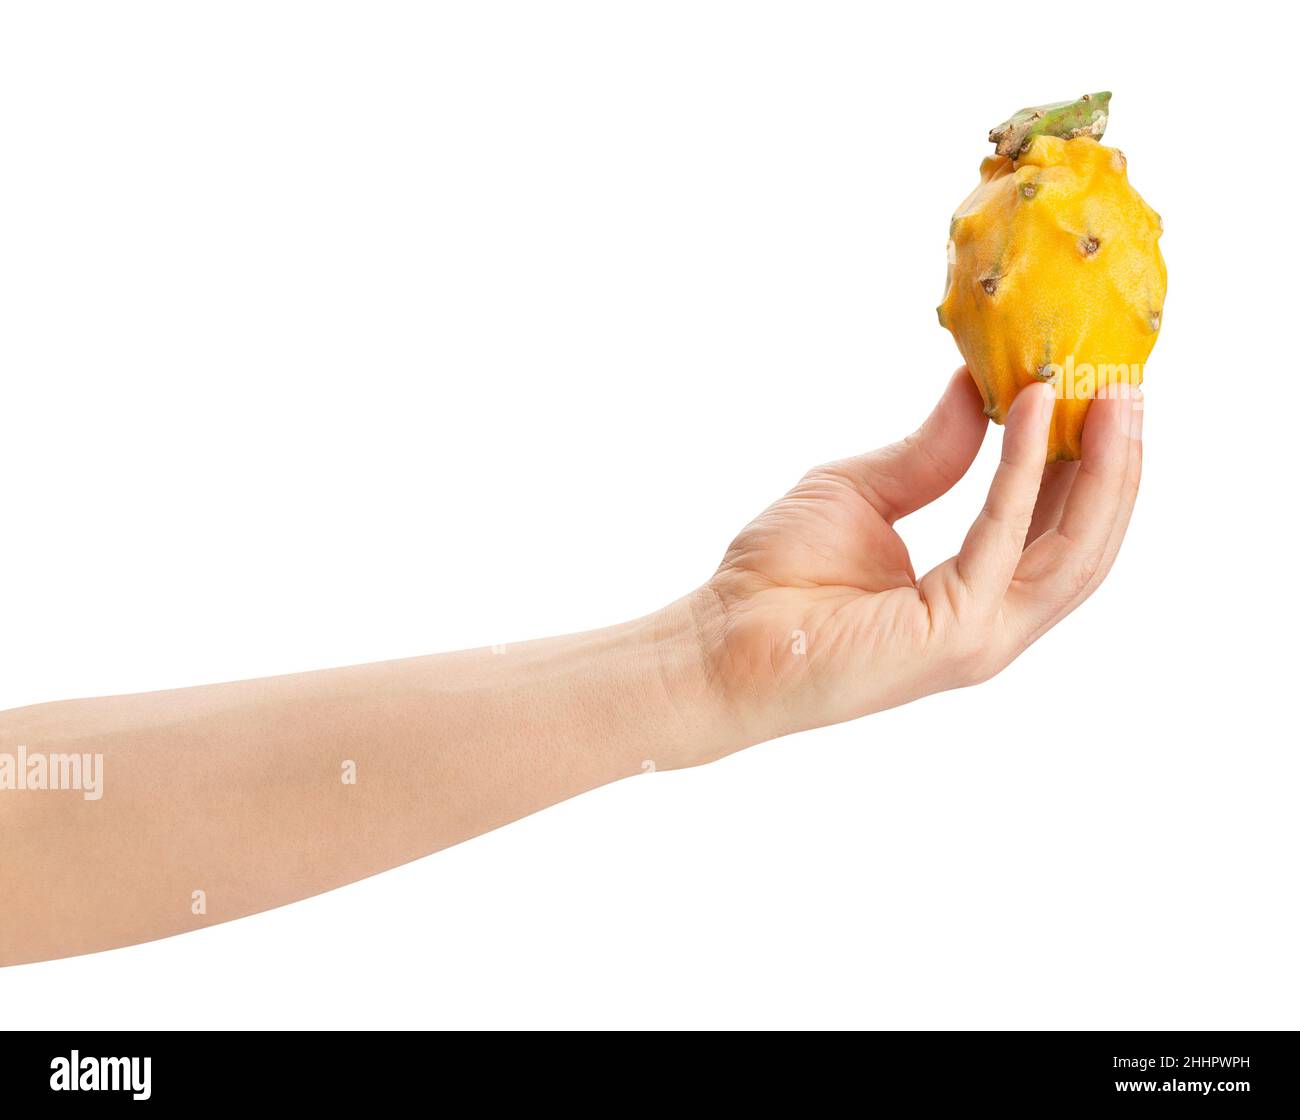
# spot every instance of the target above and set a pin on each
(340, 332)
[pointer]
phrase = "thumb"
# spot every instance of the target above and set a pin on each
(903, 477)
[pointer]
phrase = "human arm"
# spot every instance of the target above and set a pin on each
(238, 790)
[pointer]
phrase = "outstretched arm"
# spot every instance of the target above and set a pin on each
(228, 799)
(262, 792)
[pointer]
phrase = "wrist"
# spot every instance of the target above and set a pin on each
(703, 719)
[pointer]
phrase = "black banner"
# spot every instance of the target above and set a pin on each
(1239, 1070)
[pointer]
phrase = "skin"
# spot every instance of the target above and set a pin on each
(815, 616)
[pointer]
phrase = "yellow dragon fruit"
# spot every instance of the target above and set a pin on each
(1054, 272)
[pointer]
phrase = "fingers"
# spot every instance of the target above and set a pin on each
(900, 479)
(1132, 479)
(1063, 566)
(1057, 480)
(993, 547)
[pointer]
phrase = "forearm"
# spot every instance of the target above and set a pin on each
(262, 792)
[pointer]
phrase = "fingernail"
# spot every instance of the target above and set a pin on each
(1049, 400)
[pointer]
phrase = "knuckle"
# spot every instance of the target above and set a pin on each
(1080, 576)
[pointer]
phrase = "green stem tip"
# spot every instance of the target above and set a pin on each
(1067, 119)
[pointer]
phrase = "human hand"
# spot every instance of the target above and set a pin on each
(816, 615)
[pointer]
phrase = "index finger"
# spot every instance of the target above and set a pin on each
(1066, 563)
